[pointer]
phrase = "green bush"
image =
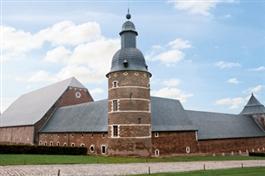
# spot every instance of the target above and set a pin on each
(35, 149)
(256, 154)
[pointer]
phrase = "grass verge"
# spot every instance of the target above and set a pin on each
(254, 171)
(26, 159)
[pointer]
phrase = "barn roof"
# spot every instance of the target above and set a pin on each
(167, 115)
(31, 107)
(218, 125)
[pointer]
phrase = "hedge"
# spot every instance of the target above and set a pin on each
(256, 154)
(35, 149)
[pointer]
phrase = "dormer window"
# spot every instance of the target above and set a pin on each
(125, 63)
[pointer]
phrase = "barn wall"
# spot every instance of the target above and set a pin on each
(67, 139)
(169, 143)
(69, 97)
(17, 135)
(233, 146)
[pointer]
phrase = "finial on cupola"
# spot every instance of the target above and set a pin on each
(128, 16)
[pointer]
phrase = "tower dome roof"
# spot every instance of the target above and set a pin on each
(128, 57)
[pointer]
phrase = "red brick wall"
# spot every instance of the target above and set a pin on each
(169, 143)
(231, 145)
(17, 135)
(88, 139)
(133, 115)
(69, 97)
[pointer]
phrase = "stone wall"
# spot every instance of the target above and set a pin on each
(75, 139)
(17, 135)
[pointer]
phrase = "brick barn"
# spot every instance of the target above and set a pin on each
(130, 122)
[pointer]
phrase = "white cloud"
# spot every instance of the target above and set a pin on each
(232, 103)
(170, 54)
(255, 89)
(68, 33)
(171, 82)
(96, 91)
(18, 42)
(201, 7)
(88, 58)
(41, 76)
(233, 81)
(172, 91)
(227, 65)
(57, 55)
(261, 68)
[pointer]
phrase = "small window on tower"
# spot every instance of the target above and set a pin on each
(139, 120)
(115, 131)
(114, 105)
(115, 84)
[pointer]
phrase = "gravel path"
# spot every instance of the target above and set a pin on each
(120, 169)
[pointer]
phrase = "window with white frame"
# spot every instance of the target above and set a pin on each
(82, 145)
(51, 143)
(58, 143)
(157, 152)
(156, 134)
(115, 131)
(114, 105)
(73, 144)
(78, 94)
(103, 149)
(64, 144)
(92, 148)
(39, 142)
(187, 149)
(115, 84)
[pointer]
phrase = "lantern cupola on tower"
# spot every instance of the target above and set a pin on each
(128, 57)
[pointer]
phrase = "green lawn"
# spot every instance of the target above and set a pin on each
(255, 171)
(19, 159)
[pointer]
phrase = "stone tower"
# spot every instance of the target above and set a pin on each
(129, 113)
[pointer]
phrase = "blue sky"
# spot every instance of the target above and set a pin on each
(209, 54)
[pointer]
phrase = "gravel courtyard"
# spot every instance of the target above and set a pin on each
(120, 169)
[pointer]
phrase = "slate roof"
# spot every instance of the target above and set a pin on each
(167, 115)
(253, 107)
(31, 107)
(128, 57)
(218, 125)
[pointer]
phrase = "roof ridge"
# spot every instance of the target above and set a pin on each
(210, 112)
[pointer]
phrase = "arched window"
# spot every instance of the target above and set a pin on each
(58, 143)
(92, 148)
(82, 145)
(73, 144)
